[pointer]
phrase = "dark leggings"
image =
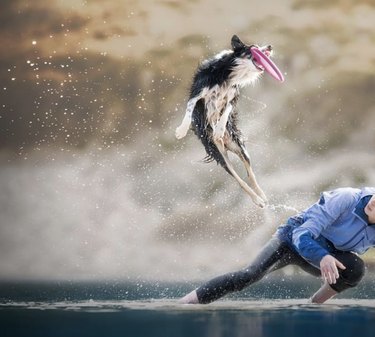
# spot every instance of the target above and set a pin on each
(277, 254)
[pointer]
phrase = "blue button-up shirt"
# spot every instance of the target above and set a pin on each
(336, 222)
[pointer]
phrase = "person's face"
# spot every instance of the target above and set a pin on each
(370, 210)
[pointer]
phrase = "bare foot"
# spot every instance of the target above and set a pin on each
(190, 298)
(323, 294)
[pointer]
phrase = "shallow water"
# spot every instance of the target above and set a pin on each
(168, 318)
(33, 314)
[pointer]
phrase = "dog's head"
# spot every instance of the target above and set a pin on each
(244, 56)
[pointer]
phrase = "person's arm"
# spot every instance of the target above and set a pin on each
(307, 247)
(318, 256)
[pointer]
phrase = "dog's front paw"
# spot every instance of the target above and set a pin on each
(181, 132)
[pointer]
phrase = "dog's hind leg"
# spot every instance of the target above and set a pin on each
(245, 158)
(254, 196)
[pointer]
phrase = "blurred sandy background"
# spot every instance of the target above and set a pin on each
(93, 183)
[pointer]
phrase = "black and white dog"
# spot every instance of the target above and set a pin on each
(211, 109)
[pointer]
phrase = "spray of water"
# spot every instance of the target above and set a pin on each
(262, 105)
(282, 207)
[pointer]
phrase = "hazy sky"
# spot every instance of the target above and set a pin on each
(94, 184)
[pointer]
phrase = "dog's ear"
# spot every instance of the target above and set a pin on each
(237, 43)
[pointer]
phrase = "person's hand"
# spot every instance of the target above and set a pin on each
(328, 268)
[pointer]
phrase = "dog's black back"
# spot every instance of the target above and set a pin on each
(212, 72)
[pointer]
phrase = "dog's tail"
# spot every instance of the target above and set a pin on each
(204, 132)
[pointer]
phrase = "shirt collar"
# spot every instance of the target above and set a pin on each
(360, 208)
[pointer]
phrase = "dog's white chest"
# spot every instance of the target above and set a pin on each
(216, 99)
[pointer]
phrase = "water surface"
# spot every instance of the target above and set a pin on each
(94, 313)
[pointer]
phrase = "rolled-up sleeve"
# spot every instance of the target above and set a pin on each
(317, 218)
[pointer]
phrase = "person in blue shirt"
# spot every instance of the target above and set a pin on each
(324, 240)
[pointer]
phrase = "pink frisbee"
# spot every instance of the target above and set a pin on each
(263, 61)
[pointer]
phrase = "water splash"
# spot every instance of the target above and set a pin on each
(277, 207)
(262, 105)
(171, 304)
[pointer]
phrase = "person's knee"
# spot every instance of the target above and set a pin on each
(354, 272)
(352, 275)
